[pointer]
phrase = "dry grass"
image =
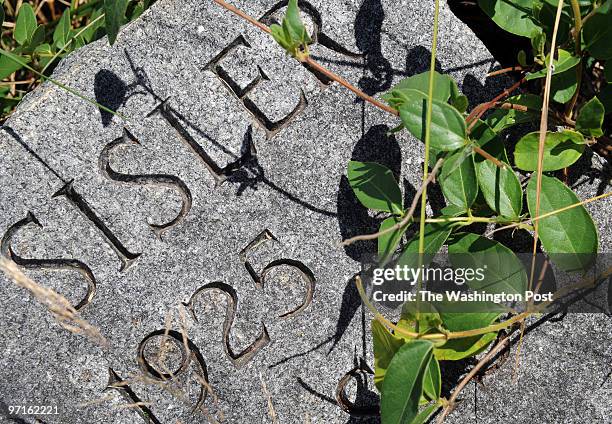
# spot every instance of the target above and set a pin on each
(61, 309)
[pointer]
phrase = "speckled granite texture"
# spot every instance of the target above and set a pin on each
(204, 60)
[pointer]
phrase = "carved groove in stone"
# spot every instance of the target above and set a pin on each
(259, 278)
(164, 180)
(242, 358)
(270, 127)
(126, 257)
(117, 383)
(47, 264)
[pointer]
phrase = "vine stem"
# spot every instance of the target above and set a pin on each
(435, 336)
(505, 71)
(406, 218)
(334, 77)
(428, 119)
(485, 360)
(577, 30)
(315, 65)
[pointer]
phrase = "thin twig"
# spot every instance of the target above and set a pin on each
(505, 71)
(485, 360)
(406, 218)
(480, 110)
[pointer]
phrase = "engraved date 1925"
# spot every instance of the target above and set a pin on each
(32, 409)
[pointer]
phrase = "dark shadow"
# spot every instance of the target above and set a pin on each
(348, 308)
(478, 93)
(418, 60)
(353, 218)
(503, 45)
(582, 172)
(378, 73)
(111, 92)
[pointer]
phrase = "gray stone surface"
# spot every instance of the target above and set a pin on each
(296, 189)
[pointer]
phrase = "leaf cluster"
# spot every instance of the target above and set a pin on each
(40, 33)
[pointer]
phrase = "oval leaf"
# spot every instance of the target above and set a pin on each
(565, 62)
(432, 381)
(500, 119)
(25, 24)
(561, 149)
(569, 237)
(435, 237)
(563, 86)
(385, 346)
(503, 271)
(501, 188)
(512, 15)
(590, 119)
(448, 130)
(387, 243)
(458, 180)
(114, 13)
(456, 349)
(444, 86)
(596, 34)
(375, 186)
(403, 384)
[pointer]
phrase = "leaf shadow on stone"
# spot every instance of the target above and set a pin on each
(503, 45)
(110, 91)
(378, 73)
(353, 218)
(583, 172)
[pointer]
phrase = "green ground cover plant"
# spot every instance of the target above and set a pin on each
(39, 33)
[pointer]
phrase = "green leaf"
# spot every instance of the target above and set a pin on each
(425, 414)
(500, 119)
(502, 271)
(458, 180)
(435, 237)
(432, 381)
(292, 34)
(590, 118)
(565, 62)
(569, 237)
(8, 65)
(25, 24)
(385, 346)
(403, 384)
(561, 149)
(114, 11)
(89, 33)
(460, 103)
(448, 130)
(387, 243)
(514, 16)
(456, 349)
(563, 86)
(501, 188)
(62, 30)
(375, 187)
(38, 37)
(444, 85)
(606, 98)
(596, 33)
(297, 30)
